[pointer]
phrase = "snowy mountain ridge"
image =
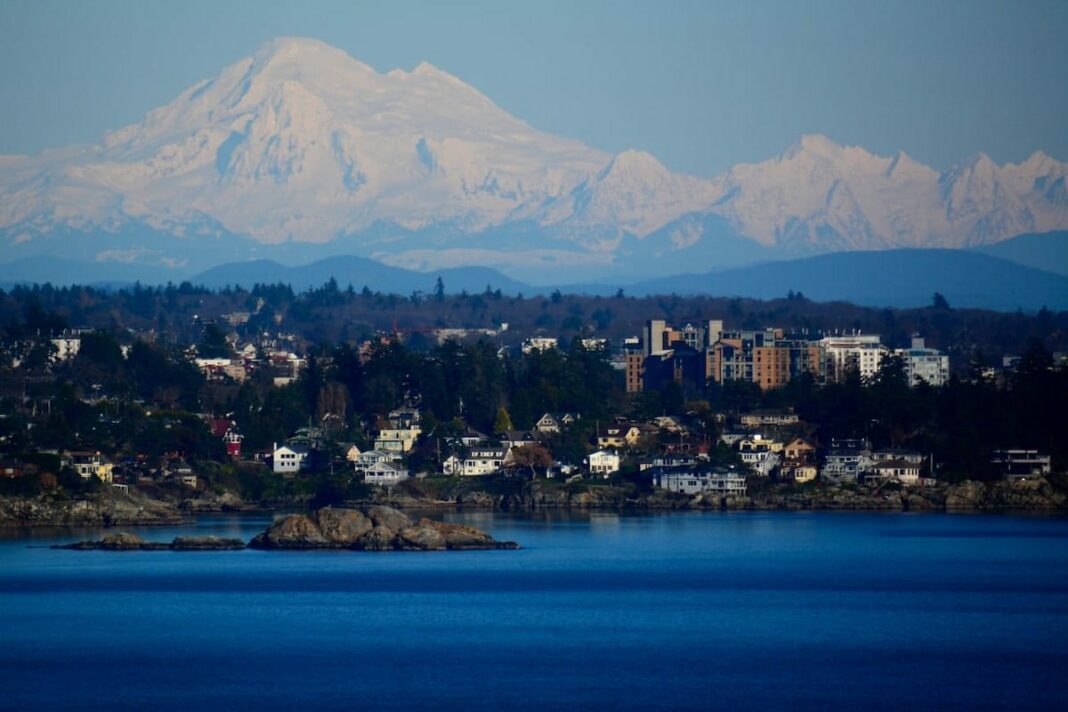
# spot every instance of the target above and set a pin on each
(302, 147)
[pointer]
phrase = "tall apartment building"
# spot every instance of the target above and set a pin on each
(693, 355)
(923, 364)
(766, 358)
(860, 353)
(674, 351)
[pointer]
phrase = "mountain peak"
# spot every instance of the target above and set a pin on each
(818, 143)
(303, 58)
(633, 161)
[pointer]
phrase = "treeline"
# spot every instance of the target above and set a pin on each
(336, 314)
(149, 401)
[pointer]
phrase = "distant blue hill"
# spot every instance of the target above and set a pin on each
(360, 272)
(357, 271)
(1045, 250)
(894, 278)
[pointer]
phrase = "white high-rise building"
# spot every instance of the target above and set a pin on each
(862, 353)
(923, 364)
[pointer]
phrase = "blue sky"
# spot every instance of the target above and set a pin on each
(702, 85)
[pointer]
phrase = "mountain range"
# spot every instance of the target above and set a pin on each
(300, 153)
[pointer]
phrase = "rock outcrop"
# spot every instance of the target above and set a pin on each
(376, 528)
(107, 508)
(124, 541)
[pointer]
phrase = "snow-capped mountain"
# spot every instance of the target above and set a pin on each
(301, 151)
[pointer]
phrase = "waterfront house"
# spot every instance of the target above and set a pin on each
(90, 464)
(384, 473)
(371, 458)
(289, 459)
(479, 461)
(1021, 464)
(696, 480)
(903, 471)
(603, 462)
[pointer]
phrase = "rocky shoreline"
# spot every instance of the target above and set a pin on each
(112, 508)
(108, 508)
(1035, 495)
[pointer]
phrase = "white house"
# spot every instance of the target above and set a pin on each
(903, 471)
(289, 459)
(603, 462)
(384, 473)
(694, 481)
(553, 422)
(761, 460)
(370, 458)
(479, 461)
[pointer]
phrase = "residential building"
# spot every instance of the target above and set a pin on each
(289, 459)
(666, 354)
(478, 462)
(853, 353)
(925, 365)
(619, 436)
(800, 472)
(761, 460)
(66, 347)
(399, 441)
(538, 343)
(518, 438)
(552, 423)
(903, 471)
(697, 480)
(91, 464)
(682, 364)
(603, 462)
(758, 418)
(370, 458)
(846, 460)
(1021, 464)
(766, 358)
(232, 438)
(385, 474)
(800, 450)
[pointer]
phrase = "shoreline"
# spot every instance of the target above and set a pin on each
(110, 509)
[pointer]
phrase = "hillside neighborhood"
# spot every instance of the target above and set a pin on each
(700, 408)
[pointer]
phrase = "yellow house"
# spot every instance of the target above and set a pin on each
(92, 464)
(618, 437)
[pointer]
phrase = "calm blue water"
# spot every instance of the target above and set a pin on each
(747, 610)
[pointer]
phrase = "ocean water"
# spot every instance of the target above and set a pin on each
(670, 611)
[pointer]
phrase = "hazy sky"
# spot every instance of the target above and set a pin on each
(702, 85)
